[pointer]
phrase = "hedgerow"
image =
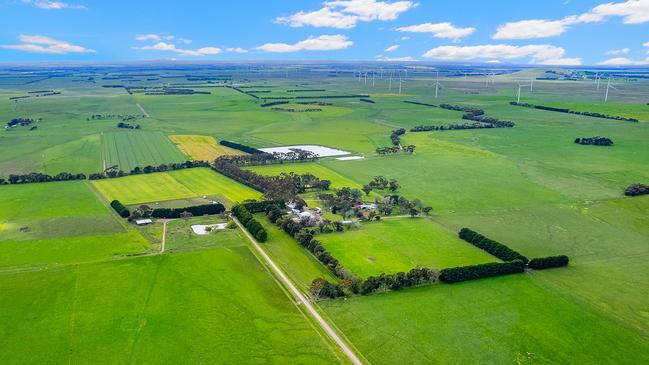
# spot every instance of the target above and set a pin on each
(493, 247)
(196, 210)
(465, 273)
(120, 209)
(548, 262)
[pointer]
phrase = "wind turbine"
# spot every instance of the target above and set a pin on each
(520, 86)
(597, 78)
(608, 86)
(390, 87)
(437, 85)
(373, 79)
(399, 84)
(532, 84)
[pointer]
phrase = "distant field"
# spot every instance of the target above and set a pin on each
(210, 306)
(173, 185)
(401, 244)
(130, 149)
(202, 148)
(337, 180)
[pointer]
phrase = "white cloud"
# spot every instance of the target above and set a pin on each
(645, 44)
(169, 47)
(631, 12)
(236, 50)
(439, 30)
(530, 29)
(395, 59)
(392, 48)
(52, 5)
(619, 51)
(321, 43)
(154, 37)
(539, 54)
(42, 44)
(622, 61)
(405, 38)
(345, 14)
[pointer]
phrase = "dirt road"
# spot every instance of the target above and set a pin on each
(302, 299)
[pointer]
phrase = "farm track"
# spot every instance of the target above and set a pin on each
(325, 326)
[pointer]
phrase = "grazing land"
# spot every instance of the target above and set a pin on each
(401, 244)
(81, 283)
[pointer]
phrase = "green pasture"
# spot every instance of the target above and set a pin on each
(156, 187)
(401, 244)
(180, 236)
(210, 306)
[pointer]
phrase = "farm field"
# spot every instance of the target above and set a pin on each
(173, 185)
(60, 223)
(398, 245)
(132, 149)
(99, 287)
(232, 312)
(201, 148)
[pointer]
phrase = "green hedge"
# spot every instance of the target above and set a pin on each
(196, 210)
(248, 220)
(263, 206)
(548, 262)
(240, 147)
(120, 209)
(493, 247)
(465, 273)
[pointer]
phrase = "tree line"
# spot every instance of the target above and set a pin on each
(19, 122)
(37, 177)
(196, 210)
(120, 209)
(240, 147)
(493, 247)
(127, 125)
(473, 272)
(594, 141)
(478, 115)
(252, 225)
(569, 111)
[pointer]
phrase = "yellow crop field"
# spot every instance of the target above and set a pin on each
(204, 148)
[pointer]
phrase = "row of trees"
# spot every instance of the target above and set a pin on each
(636, 190)
(252, 225)
(120, 209)
(353, 96)
(414, 277)
(240, 147)
(418, 103)
(262, 158)
(396, 149)
(365, 100)
(293, 110)
(477, 115)
(493, 247)
(196, 210)
(114, 171)
(473, 272)
(595, 141)
(548, 262)
(452, 127)
(273, 103)
(37, 177)
(565, 110)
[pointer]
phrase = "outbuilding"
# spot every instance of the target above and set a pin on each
(143, 222)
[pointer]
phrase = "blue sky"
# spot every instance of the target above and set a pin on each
(563, 32)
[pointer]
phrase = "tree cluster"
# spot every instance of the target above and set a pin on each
(548, 262)
(477, 115)
(454, 126)
(341, 201)
(565, 110)
(636, 190)
(594, 141)
(262, 206)
(293, 110)
(240, 147)
(248, 220)
(465, 273)
(37, 177)
(493, 247)
(395, 137)
(127, 125)
(120, 209)
(19, 122)
(414, 277)
(196, 210)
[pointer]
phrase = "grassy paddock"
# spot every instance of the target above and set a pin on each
(201, 148)
(395, 245)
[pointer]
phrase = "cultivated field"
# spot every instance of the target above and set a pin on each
(201, 148)
(132, 149)
(156, 187)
